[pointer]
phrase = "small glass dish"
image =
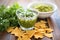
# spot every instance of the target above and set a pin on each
(26, 19)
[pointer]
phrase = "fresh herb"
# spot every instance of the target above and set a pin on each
(8, 16)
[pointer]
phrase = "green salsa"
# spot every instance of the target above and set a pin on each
(43, 8)
(27, 19)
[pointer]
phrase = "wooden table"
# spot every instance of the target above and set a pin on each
(54, 20)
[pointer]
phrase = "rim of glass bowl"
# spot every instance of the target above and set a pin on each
(27, 18)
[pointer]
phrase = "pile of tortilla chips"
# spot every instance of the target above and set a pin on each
(41, 30)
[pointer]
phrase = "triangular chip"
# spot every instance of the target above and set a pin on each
(49, 35)
(38, 35)
(19, 38)
(10, 29)
(30, 33)
(42, 21)
(17, 32)
(49, 30)
(25, 37)
(41, 30)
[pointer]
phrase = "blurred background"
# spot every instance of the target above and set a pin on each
(26, 2)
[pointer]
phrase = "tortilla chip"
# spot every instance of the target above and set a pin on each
(30, 33)
(37, 24)
(41, 30)
(10, 29)
(25, 37)
(38, 35)
(49, 30)
(19, 38)
(40, 25)
(42, 21)
(43, 26)
(17, 32)
(49, 35)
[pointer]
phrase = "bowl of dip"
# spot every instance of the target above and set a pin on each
(26, 19)
(44, 9)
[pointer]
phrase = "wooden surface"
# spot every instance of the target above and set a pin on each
(54, 20)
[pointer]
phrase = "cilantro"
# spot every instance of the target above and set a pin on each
(8, 16)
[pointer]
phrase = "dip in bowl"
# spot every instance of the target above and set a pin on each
(44, 9)
(26, 19)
